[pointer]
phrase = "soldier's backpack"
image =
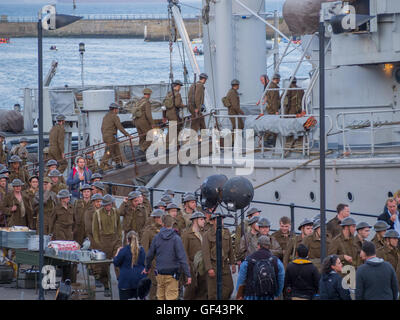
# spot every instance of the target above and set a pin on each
(226, 102)
(137, 110)
(198, 263)
(168, 101)
(264, 277)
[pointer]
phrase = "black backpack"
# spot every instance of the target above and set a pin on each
(264, 277)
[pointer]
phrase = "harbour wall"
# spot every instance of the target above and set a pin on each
(157, 30)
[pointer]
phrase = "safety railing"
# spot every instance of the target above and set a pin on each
(367, 122)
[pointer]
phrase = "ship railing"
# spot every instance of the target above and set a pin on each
(307, 142)
(370, 122)
(156, 193)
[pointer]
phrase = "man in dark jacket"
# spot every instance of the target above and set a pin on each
(302, 277)
(391, 215)
(376, 278)
(170, 257)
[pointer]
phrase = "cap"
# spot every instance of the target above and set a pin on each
(96, 176)
(381, 225)
(263, 222)
(362, 225)
(189, 197)
(171, 206)
(252, 211)
(64, 193)
(47, 180)
(96, 196)
(98, 185)
(263, 241)
(133, 195)
(17, 183)
(316, 224)
(276, 76)
(147, 91)
(60, 117)
(86, 187)
(107, 200)
(235, 82)
(304, 223)
(197, 214)
(253, 220)
(113, 106)
(51, 163)
(348, 222)
(54, 173)
(203, 75)
(157, 213)
(391, 234)
(15, 158)
(160, 204)
(177, 83)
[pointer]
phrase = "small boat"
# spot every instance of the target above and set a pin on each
(4, 40)
(197, 51)
(54, 48)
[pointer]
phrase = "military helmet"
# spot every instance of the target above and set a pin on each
(144, 190)
(252, 211)
(177, 83)
(86, 187)
(349, 221)
(96, 176)
(157, 213)
(391, 234)
(23, 139)
(317, 217)
(4, 170)
(169, 192)
(96, 196)
(362, 225)
(98, 185)
(381, 225)
(47, 180)
(160, 204)
(2, 135)
(60, 117)
(15, 158)
(33, 177)
(17, 183)
(294, 80)
(252, 220)
(263, 222)
(55, 173)
(166, 198)
(172, 206)
(147, 91)
(3, 176)
(107, 200)
(196, 215)
(189, 197)
(304, 223)
(64, 193)
(235, 82)
(203, 76)
(113, 106)
(316, 224)
(276, 76)
(51, 163)
(133, 195)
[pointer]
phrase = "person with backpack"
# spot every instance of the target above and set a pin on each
(261, 275)
(302, 277)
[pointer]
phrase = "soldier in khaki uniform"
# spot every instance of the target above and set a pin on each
(21, 151)
(55, 177)
(390, 252)
(284, 235)
(248, 243)
(148, 234)
(3, 154)
(146, 202)
(18, 172)
(294, 99)
(263, 227)
(80, 207)
(343, 244)
(333, 226)
(273, 97)
(107, 235)
(18, 208)
(30, 195)
(98, 187)
(49, 202)
(362, 229)
(50, 166)
(252, 212)
(134, 214)
(109, 129)
(196, 102)
(3, 192)
(209, 251)
(234, 105)
(96, 201)
(179, 222)
(144, 119)
(56, 141)
(380, 228)
(306, 228)
(189, 207)
(173, 102)
(192, 240)
(91, 162)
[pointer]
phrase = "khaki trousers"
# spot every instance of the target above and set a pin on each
(167, 287)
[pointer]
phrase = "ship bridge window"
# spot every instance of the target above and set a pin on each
(277, 195)
(350, 196)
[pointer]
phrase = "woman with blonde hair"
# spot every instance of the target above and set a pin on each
(130, 260)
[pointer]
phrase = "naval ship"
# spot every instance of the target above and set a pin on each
(362, 119)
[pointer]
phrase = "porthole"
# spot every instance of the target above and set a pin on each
(350, 196)
(312, 196)
(277, 195)
(390, 194)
